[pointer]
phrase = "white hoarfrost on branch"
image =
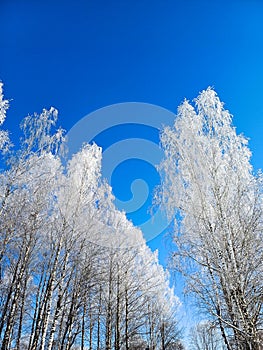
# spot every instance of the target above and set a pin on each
(4, 105)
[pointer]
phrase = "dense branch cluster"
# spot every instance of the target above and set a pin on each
(210, 187)
(74, 272)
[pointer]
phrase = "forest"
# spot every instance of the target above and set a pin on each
(76, 274)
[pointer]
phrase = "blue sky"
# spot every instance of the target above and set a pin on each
(82, 55)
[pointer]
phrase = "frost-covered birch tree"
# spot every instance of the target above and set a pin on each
(216, 199)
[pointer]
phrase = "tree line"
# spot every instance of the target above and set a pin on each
(74, 272)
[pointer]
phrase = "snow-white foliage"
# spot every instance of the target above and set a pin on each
(4, 104)
(74, 272)
(38, 132)
(210, 188)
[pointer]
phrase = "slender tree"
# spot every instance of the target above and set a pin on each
(210, 189)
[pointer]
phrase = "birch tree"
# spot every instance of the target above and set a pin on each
(216, 199)
(24, 207)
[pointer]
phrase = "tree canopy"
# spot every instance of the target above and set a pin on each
(74, 272)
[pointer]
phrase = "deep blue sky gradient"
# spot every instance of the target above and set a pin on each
(83, 55)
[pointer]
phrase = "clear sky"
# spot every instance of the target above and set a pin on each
(82, 55)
